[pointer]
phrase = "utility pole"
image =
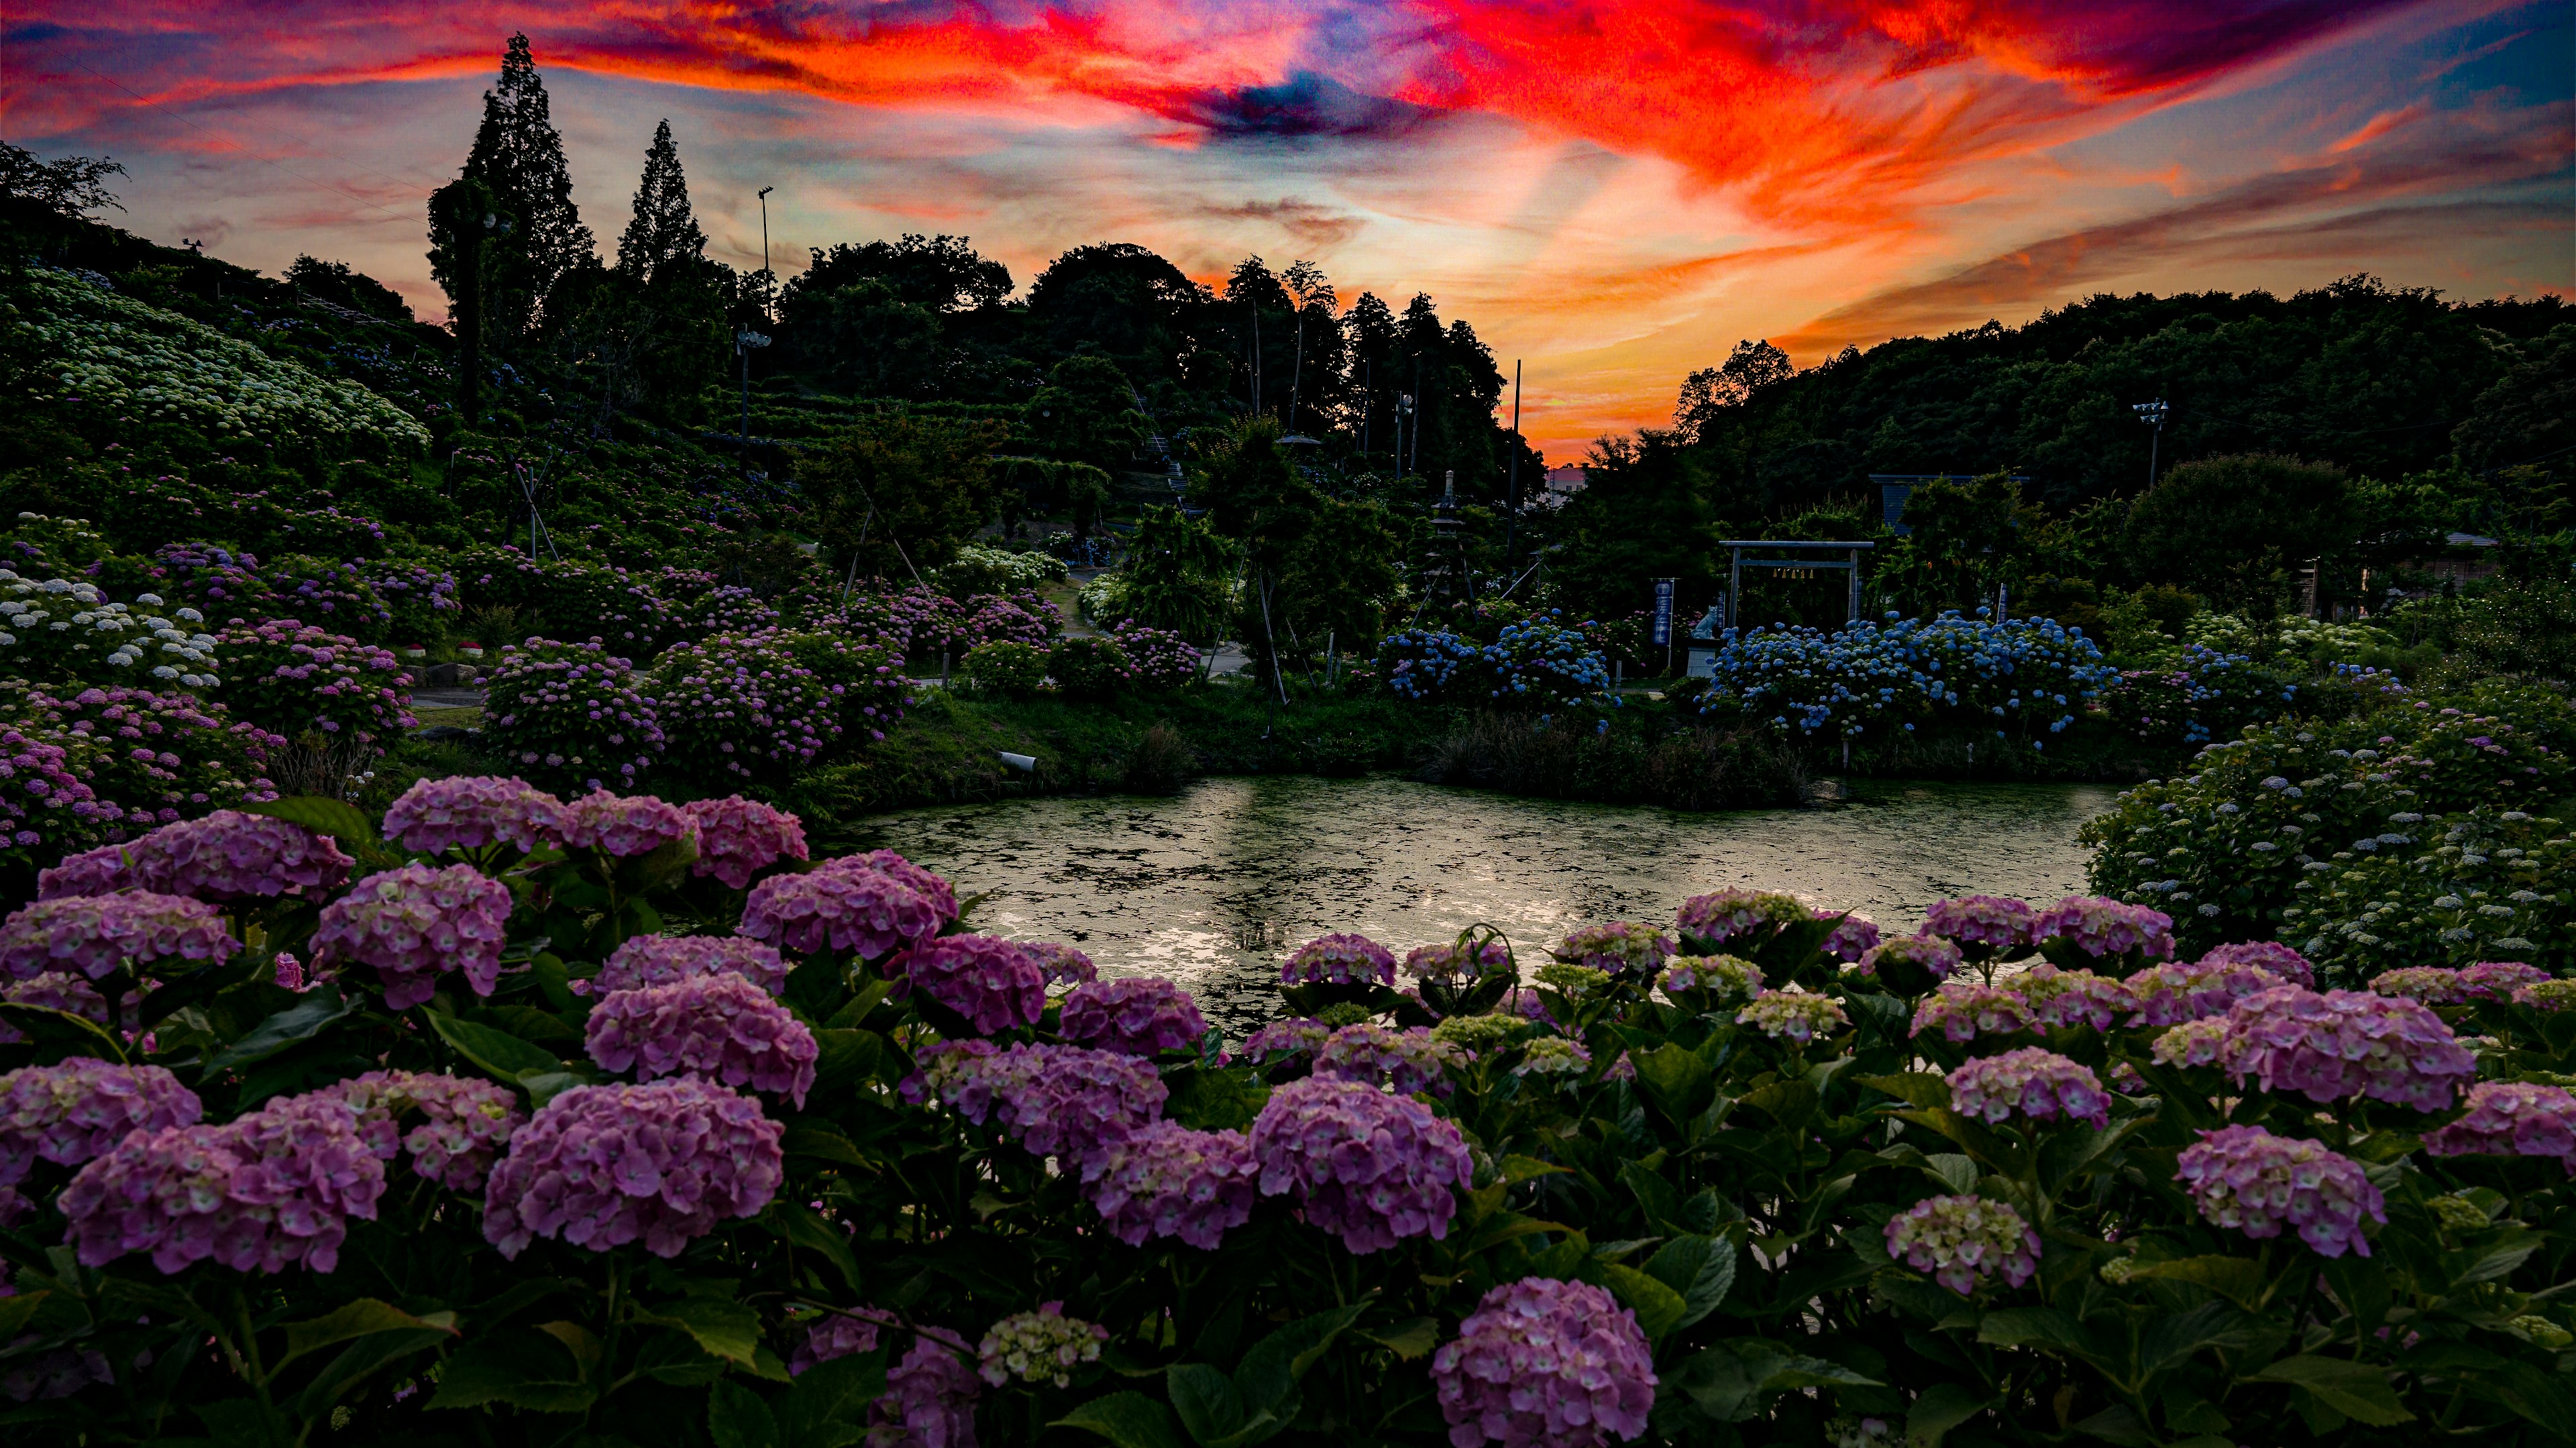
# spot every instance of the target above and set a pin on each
(744, 341)
(2153, 415)
(768, 283)
(1255, 307)
(1368, 404)
(1511, 520)
(1415, 464)
(1403, 418)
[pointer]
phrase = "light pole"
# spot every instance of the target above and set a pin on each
(2153, 415)
(743, 343)
(1512, 519)
(766, 280)
(1403, 416)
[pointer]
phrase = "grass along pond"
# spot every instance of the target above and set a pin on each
(1212, 887)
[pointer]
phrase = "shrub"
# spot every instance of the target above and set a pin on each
(66, 632)
(1534, 663)
(419, 601)
(1089, 668)
(994, 570)
(100, 765)
(737, 710)
(293, 679)
(2204, 695)
(2015, 677)
(570, 715)
(1158, 660)
(1007, 670)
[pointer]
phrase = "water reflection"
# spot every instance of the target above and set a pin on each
(1212, 887)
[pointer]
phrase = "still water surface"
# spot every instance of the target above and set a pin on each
(1212, 887)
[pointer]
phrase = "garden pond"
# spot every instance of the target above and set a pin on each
(1213, 886)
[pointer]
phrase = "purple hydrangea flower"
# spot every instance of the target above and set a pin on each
(1453, 964)
(97, 934)
(1546, 1362)
(739, 838)
(833, 1335)
(602, 1166)
(1142, 1016)
(470, 812)
(1719, 979)
(2192, 1043)
(624, 825)
(1936, 954)
(989, 981)
(929, 1401)
(2269, 955)
(1062, 1101)
(2070, 997)
(1963, 1010)
(227, 855)
(2511, 1118)
(262, 1193)
(2172, 993)
(2431, 984)
(414, 922)
(2247, 1179)
(1375, 1055)
(2344, 1044)
(1994, 923)
(1165, 1180)
(2098, 926)
(1853, 938)
(1341, 959)
(465, 1122)
(650, 960)
(2030, 1082)
(55, 991)
(1040, 1346)
(71, 1112)
(721, 1027)
(2497, 980)
(1723, 915)
(1621, 947)
(858, 903)
(1302, 1035)
(1964, 1242)
(1063, 964)
(1793, 1015)
(1370, 1168)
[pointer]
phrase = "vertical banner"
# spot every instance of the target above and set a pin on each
(1664, 611)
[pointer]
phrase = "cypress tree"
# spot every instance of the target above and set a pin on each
(664, 229)
(519, 155)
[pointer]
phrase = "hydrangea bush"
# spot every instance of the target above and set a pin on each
(838, 1169)
(2023, 678)
(571, 714)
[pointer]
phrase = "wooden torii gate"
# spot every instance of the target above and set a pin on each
(1737, 563)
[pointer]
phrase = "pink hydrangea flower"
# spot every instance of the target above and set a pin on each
(1546, 1362)
(721, 1027)
(1793, 1015)
(1964, 1242)
(662, 1163)
(227, 855)
(1723, 915)
(56, 991)
(1714, 980)
(2431, 984)
(2511, 1118)
(2345, 1044)
(739, 838)
(2099, 927)
(859, 903)
(2192, 1043)
(415, 922)
(98, 934)
(623, 825)
(1620, 947)
(263, 1193)
(650, 960)
(1934, 953)
(1963, 1010)
(1342, 959)
(2072, 997)
(1062, 1101)
(989, 981)
(2246, 1179)
(2030, 1082)
(464, 1122)
(1142, 1016)
(73, 1111)
(1991, 922)
(833, 1335)
(1370, 1168)
(1408, 1060)
(1852, 939)
(471, 812)
(1302, 1035)
(2267, 955)
(1450, 963)
(2172, 993)
(2497, 980)
(929, 1401)
(1063, 964)
(1165, 1180)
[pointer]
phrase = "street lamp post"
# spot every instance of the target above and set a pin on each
(767, 282)
(1403, 418)
(744, 342)
(2153, 415)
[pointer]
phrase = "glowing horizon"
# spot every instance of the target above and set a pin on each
(1615, 190)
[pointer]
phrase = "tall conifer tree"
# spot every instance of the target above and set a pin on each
(664, 230)
(519, 155)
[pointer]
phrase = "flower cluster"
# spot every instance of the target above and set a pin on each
(1546, 1362)
(227, 855)
(2546, 995)
(1281, 1040)
(744, 708)
(1062, 964)
(570, 713)
(1341, 959)
(834, 1335)
(2511, 1118)
(2497, 980)
(1621, 948)
(1851, 938)
(1063, 1101)
(623, 826)
(2434, 985)
(929, 1399)
(261, 1193)
(1793, 1015)
(867, 904)
(1409, 1060)
(1538, 663)
(1165, 1180)
(2246, 1179)
(64, 629)
(1142, 1016)
(2101, 927)
(1370, 1168)
(141, 758)
(2343, 1044)
(738, 838)
(473, 812)
(1723, 915)
(602, 1166)
(2030, 1082)
(1553, 1056)
(55, 991)
(1964, 1242)
(465, 1122)
(719, 1026)
(1455, 964)
(2172, 993)
(2071, 997)
(1934, 955)
(1037, 1347)
(1868, 677)
(74, 1110)
(1993, 924)
(1963, 1010)
(2192, 1043)
(414, 922)
(990, 982)
(642, 961)
(98, 934)
(1719, 980)
(1158, 660)
(294, 679)
(2264, 955)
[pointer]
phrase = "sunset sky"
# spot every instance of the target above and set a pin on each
(1615, 191)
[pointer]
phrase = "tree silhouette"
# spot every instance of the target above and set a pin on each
(664, 230)
(519, 155)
